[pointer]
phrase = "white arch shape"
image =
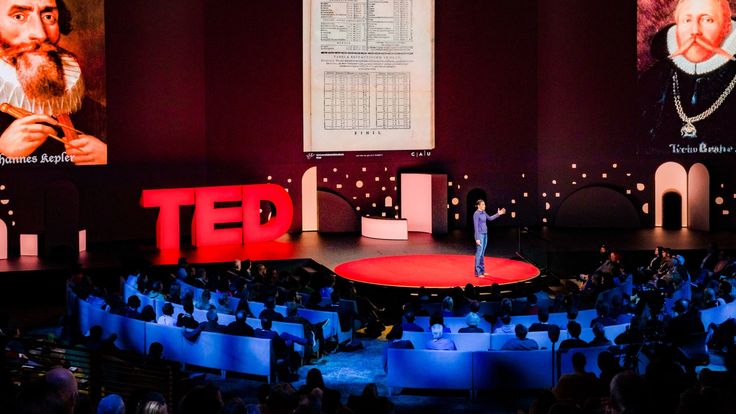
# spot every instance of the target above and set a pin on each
(3, 240)
(698, 197)
(310, 212)
(670, 177)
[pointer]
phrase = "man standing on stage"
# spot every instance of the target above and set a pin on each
(481, 234)
(685, 95)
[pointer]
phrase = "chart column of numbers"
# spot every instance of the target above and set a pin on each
(347, 100)
(393, 110)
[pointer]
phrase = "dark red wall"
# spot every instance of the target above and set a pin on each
(210, 93)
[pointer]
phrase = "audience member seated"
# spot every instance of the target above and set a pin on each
(222, 303)
(131, 311)
(722, 335)
(438, 341)
(210, 326)
(685, 324)
(613, 267)
(603, 311)
(448, 306)
(204, 301)
(578, 386)
(633, 333)
(610, 367)
(593, 286)
(182, 269)
(543, 318)
(239, 326)
(474, 307)
(656, 261)
(725, 296)
(186, 318)
(269, 311)
(201, 399)
(155, 352)
(520, 342)
(369, 402)
(64, 385)
(709, 299)
(148, 314)
(153, 407)
(599, 336)
(141, 282)
(531, 304)
(111, 404)
(245, 307)
(573, 329)
(506, 326)
(96, 342)
(313, 332)
(156, 291)
(395, 342)
(666, 264)
(199, 279)
(668, 376)
(629, 394)
(167, 317)
(472, 320)
(330, 397)
(174, 294)
(437, 318)
(408, 324)
(283, 344)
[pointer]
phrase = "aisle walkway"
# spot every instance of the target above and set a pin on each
(349, 372)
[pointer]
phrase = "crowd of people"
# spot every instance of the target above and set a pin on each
(650, 367)
(645, 369)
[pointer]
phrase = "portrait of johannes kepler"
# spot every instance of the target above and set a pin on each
(46, 115)
(686, 95)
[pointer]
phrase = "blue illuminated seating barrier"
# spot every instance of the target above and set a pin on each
(211, 350)
(200, 315)
(292, 328)
(718, 314)
(313, 316)
(231, 353)
(426, 369)
(170, 337)
(512, 370)
(463, 341)
(130, 332)
(465, 370)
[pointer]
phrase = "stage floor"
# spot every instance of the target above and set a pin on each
(436, 271)
(331, 250)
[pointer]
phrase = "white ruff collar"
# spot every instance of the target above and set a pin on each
(708, 65)
(12, 92)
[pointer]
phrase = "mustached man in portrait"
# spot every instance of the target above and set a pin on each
(47, 115)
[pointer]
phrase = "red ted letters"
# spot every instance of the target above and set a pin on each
(206, 216)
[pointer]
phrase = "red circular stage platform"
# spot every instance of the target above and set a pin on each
(434, 271)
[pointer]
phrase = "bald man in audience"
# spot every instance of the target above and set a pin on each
(65, 385)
